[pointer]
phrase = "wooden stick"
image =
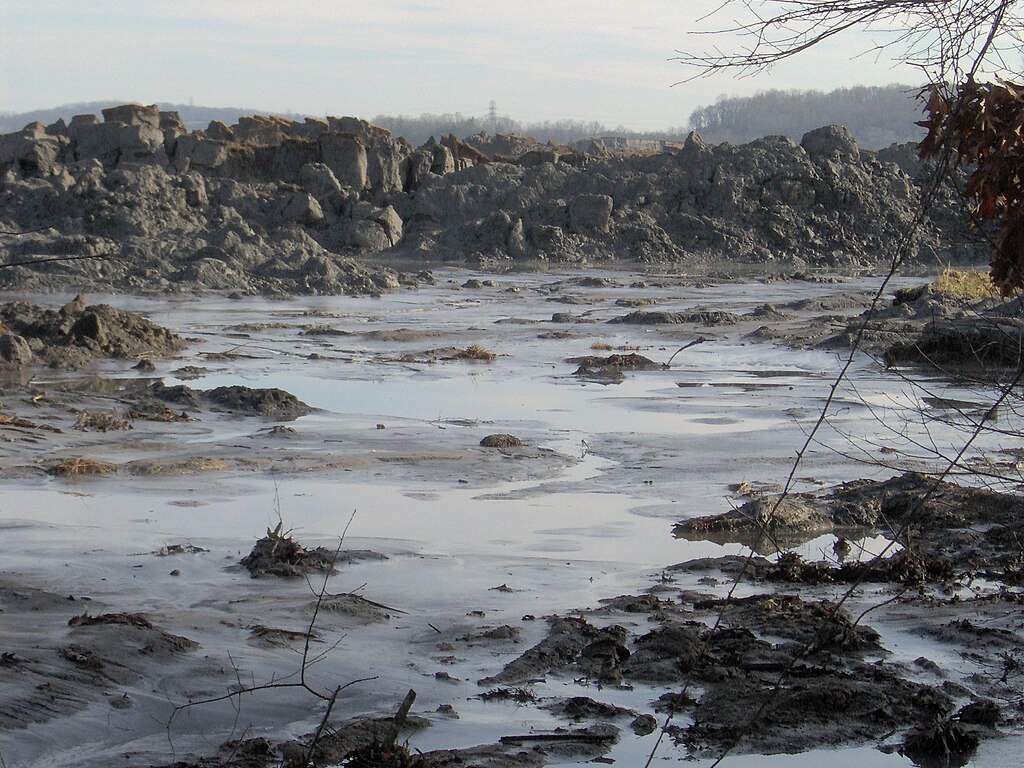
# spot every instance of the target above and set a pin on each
(584, 736)
(390, 735)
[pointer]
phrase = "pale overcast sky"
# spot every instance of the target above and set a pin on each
(538, 59)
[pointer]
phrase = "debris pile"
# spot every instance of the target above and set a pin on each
(278, 554)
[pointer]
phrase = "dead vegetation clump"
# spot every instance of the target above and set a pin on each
(278, 554)
(100, 421)
(957, 284)
(474, 352)
(944, 743)
(518, 695)
(79, 467)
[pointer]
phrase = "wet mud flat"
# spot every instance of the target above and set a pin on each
(515, 496)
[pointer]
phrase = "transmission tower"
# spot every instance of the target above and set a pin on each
(492, 116)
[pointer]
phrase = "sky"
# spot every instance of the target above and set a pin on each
(590, 60)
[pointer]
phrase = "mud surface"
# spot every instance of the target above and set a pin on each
(506, 538)
(95, 660)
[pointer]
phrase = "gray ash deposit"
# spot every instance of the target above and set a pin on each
(136, 203)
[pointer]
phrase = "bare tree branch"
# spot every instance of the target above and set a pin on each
(946, 39)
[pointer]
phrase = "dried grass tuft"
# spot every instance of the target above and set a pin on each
(476, 352)
(100, 421)
(968, 285)
(78, 467)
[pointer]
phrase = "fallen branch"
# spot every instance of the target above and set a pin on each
(48, 259)
(695, 342)
(302, 683)
(12, 233)
(320, 728)
(584, 736)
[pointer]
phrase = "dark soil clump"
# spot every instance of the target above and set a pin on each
(959, 345)
(278, 554)
(774, 673)
(355, 607)
(953, 528)
(571, 644)
(946, 743)
(946, 333)
(815, 707)
(579, 708)
(612, 365)
(268, 403)
(792, 519)
(501, 441)
(699, 317)
(472, 353)
(813, 624)
(180, 394)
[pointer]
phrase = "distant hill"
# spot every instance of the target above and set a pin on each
(877, 116)
(417, 130)
(194, 117)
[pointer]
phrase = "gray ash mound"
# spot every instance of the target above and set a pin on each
(940, 332)
(76, 334)
(270, 403)
(136, 203)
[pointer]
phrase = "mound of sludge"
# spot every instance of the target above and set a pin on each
(277, 207)
(77, 333)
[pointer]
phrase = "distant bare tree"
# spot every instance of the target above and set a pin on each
(877, 116)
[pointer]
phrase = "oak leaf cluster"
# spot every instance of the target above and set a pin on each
(983, 124)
